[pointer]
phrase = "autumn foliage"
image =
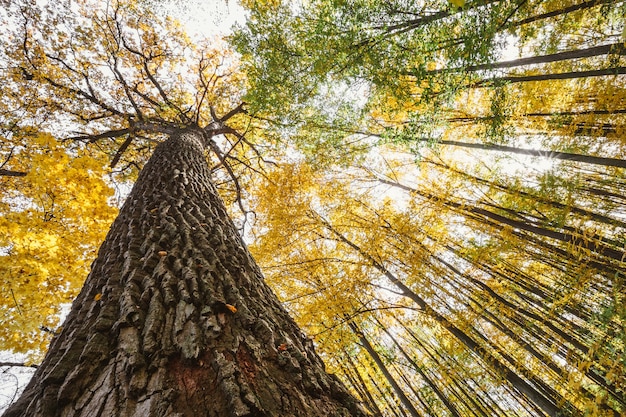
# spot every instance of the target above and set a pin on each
(435, 190)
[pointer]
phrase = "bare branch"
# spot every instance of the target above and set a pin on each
(121, 150)
(231, 173)
(9, 173)
(213, 114)
(242, 138)
(205, 85)
(236, 110)
(18, 364)
(145, 59)
(8, 158)
(159, 126)
(109, 134)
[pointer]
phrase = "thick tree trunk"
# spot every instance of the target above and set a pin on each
(175, 318)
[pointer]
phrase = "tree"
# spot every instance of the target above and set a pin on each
(108, 104)
(174, 317)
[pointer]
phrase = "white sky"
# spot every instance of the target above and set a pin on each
(206, 18)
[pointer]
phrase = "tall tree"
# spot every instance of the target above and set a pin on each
(175, 318)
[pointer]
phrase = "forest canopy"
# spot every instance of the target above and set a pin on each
(434, 189)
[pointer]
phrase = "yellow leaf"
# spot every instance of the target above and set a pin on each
(232, 308)
(98, 296)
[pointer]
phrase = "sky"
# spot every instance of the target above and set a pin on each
(206, 18)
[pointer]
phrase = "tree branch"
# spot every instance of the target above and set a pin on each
(10, 173)
(108, 134)
(121, 150)
(236, 110)
(16, 364)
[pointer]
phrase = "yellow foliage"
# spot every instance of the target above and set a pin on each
(52, 222)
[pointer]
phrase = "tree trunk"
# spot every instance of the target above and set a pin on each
(559, 12)
(552, 76)
(547, 404)
(616, 48)
(565, 156)
(404, 400)
(175, 318)
(452, 409)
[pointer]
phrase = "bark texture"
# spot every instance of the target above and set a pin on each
(175, 318)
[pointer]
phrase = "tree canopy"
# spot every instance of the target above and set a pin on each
(435, 190)
(474, 257)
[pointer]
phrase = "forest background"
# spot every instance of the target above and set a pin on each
(444, 219)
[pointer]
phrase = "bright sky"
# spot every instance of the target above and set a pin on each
(206, 17)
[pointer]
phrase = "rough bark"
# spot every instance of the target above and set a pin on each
(175, 318)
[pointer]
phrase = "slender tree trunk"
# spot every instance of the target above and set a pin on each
(600, 247)
(565, 156)
(175, 318)
(559, 12)
(547, 404)
(552, 76)
(616, 48)
(534, 197)
(431, 384)
(355, 370)
(406, 402)
(422, 21)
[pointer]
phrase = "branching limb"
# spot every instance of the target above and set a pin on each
(108, 134)
(145, 61)
(239, 109)
(231, 173)
(8, 172)
(206, 85)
